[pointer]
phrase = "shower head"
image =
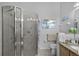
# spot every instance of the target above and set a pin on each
(10, 9)
(76, 5)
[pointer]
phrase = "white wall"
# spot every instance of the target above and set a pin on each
(66, 9)
(44, 10)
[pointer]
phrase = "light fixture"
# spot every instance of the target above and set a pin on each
(76, 5)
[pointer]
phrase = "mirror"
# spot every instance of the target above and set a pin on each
(48, 24)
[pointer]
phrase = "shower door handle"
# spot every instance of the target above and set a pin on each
(12, 40)
(22, 47)
(17, 43)
(28, 32)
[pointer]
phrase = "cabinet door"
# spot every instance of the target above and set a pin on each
(61, 50)
(64, 51)
(72, 54)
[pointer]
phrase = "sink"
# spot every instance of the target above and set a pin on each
(74, 47)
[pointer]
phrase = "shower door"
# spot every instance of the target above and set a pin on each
(8, 30)
(12, 43)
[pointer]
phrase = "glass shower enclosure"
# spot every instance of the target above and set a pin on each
(12, 31)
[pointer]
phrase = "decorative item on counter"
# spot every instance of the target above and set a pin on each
(73, 30)
(62, 37)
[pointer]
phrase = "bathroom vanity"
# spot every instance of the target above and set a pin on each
(68, 50)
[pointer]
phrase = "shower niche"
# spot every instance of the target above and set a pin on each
(12, 31)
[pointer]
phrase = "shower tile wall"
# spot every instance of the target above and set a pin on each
(30, 38)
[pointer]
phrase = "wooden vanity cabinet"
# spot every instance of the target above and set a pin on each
(63, 51)
(66, 52)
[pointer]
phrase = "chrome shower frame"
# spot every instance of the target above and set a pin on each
(21, 34)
